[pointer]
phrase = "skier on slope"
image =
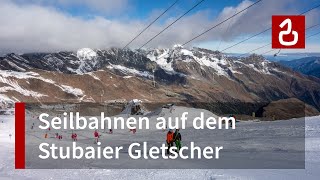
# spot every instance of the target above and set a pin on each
(169, 140)
(74, 137)
(133, 131)
(177, 139)
(96, 136)
(231, 115)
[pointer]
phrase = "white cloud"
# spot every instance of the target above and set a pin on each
(37, 28)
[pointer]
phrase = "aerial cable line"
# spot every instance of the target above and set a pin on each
(264, 31)
(171, 24)
(227, 31)
(245, 40)
(268, 52)
(270, 43)
(276, 54)
(150, 24)
(221, 22)
(306, 38)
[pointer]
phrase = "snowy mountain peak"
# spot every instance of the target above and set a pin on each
(86, 53)
(177, 46)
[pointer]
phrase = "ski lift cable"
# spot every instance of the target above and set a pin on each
(150, 24)
(221, 22)
(227, 31)
(270, 43)
(255, 49)
(276, 54)
(240, 42)
(171, 24)
(306, 38)
(267, 52)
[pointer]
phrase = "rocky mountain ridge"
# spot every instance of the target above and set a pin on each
(190, 76)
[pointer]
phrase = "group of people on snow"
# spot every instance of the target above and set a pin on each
(58, 136)
(173, 137)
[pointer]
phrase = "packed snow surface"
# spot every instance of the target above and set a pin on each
(311, 170)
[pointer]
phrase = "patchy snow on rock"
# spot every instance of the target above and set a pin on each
(14, 86)
(94, 76)
(213, 63)
(260, 67)
(86, 53)
(136, 101)
(71, 70)
(18, 75)
(126, 70)
(15, 66)
(208, 60)
(87, 59)
(160, 57)
(5, 99)
(234, 71)
(24, 75)
(87, 99)
(186, 52)
(263, 70)
(72, 90)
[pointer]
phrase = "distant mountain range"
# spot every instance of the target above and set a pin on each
(308, 65)
(281, 56)
(291, 56)
(196, 76)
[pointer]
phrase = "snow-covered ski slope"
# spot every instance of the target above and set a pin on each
(310, 172)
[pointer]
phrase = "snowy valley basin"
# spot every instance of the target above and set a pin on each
(251, 145)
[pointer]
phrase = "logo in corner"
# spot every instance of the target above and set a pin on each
(288, 32)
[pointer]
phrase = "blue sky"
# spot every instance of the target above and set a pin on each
(72, 24)
(141, 9)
